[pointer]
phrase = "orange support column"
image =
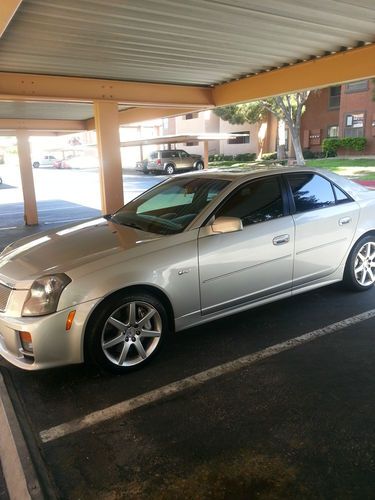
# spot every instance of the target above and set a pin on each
(27, 178)
(108, 137)
(205, 154)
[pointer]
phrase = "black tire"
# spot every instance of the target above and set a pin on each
(1, 180)
(100, 332)
(199, 165)
(359, 274)
(36, 164)
(170, 169)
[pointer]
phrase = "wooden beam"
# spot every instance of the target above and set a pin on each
(42, 125)
(355, 64)
(7, 11)
(23, 87)
(139, 115)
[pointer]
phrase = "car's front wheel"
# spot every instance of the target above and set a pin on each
(36, 164)
(359, 272)
(126, 332)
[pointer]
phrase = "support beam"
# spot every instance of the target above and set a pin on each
(205, 154)
(355, 64)
(108, 138)
(23, 87)
(42, 125)
(27, 178)
(7, 11)
(138, 115)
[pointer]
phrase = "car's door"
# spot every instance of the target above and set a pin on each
(325, 219)
(241, 267)
(185, 159)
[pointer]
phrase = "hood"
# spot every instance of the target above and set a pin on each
(66, 248)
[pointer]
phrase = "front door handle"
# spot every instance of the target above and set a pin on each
(281, 239)
(344, 220)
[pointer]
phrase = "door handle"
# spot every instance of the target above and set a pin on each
(344, 220)
(281, 239)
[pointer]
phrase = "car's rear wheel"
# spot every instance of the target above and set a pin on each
(199, 166)
(36, 164)
(126, 332)
(170, 170)
(359, 272)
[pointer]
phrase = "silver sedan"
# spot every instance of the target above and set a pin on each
(195, 248)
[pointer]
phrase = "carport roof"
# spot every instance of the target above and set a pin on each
(179, 138)
(198, 42)
(164, 44)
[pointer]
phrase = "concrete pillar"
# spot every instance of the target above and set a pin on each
(205, 154)
(27, 178)
(108, 137)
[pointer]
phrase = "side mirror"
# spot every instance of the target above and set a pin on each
(227, 225)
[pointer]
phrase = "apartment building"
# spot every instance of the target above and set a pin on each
(346, 110)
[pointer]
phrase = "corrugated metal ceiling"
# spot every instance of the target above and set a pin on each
(201, 42)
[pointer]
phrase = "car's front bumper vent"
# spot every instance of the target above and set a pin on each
(5, 292)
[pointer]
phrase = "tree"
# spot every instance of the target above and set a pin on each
(288, 108)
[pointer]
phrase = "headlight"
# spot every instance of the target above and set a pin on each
(44, 295)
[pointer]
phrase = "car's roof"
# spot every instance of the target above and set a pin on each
(243, 173)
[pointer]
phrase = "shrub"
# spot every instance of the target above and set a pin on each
(269, 156)
(354, 143)
(330, 146)
(241, 157)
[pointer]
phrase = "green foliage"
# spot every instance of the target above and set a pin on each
(241, 157)
(238, 114)
(330, 146)
(269, 156)
(354, 143)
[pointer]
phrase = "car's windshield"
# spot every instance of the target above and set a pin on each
(170, 207)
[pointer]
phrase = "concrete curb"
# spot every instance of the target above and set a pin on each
(19, 472)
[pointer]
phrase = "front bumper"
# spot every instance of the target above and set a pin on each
(53, 345)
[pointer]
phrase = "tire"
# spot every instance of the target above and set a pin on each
(36, 164)
(359, 274)
(115, 337)
(1, 180)
(169, 169)
(199, 166)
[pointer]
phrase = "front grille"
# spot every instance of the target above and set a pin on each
(5, 292)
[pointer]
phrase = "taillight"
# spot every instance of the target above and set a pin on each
(158, 161)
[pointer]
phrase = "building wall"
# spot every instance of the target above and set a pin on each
(318, 117)
(360, 102)
(232, 149)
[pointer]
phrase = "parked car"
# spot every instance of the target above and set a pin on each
(192, 249)
(170, 161)
(78, 162)
(44, 161)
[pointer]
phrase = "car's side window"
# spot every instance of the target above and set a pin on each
(258, 201)
(311, 191)
(341, 197)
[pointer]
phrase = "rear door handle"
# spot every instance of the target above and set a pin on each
(344, 220)
(281, 239)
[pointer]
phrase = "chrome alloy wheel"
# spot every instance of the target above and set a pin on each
(131, 333)
(364, 264)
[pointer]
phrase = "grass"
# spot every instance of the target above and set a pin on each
(333, 163)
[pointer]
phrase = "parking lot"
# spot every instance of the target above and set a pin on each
(276, 402)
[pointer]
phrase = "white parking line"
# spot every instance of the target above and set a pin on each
(120, 409)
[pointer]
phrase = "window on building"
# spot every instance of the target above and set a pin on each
(191, 116)
(244, 138)
(334, 97)
(354, 125)
(360, 86)
(192, 143)
(333, 131)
